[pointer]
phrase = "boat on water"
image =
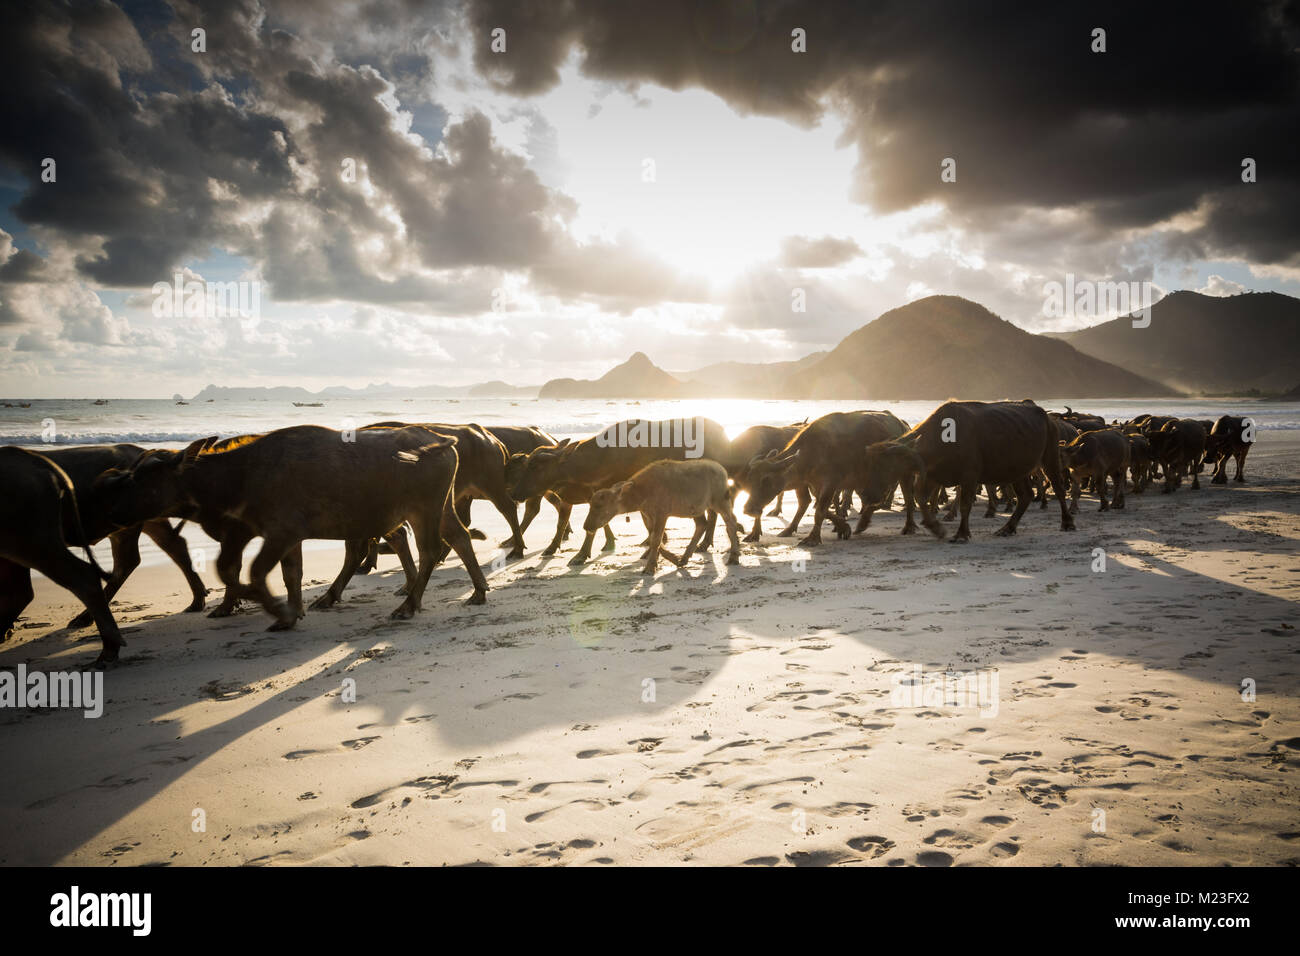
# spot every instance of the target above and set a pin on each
(101, 401)
(308, 404)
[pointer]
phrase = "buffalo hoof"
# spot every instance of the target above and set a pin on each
(774, 513)
(325, 600)
(1104, 507)
(477, 535)
(1118, 505)
(284, 624)
(363, 569)
(650, 570)
(577, 560)
(787, 533)
(222, 610)
(475, 599)
(84, 619)
(107, 656)
(609, 547)
(909, 529)
(401, 591)
(959, 539)
(1004, 532)
(810, 541)
(733, 557)
(515, 554)
(403, 612)
(1068, 526)
(750, 538)
(195, 606)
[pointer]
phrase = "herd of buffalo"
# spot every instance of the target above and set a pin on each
(374, 483)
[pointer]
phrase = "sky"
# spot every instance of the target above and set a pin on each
(449, 193)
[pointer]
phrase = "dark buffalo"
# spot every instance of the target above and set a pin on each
(968, 444)
(83, 465)
(38, 520)
(1230, 437)
(1179, 447)
(826, 456)
(752, 446)
(310, 482)
(1098, 454)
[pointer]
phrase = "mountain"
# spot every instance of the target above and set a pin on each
(638, 377)
(262, 393)
(943, 346)
(1204, 343)
(499, 389)
(745, 379)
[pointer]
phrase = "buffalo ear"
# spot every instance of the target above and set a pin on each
(564, 444)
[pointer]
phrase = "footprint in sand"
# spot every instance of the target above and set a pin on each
(874, 846)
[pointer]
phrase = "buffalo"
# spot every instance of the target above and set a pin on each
(826, 457)
(666, 489)
(968, 444)
(38, 520)
(311, 482)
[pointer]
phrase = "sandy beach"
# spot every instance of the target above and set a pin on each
(717, 715)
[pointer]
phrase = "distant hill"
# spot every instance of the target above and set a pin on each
(1293, 395)
(499, 389)
(943, 346)
(638, 377)
(744, 379)
(288, 393)
(1203, 343)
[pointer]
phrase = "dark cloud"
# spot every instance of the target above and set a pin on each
(1155, 126)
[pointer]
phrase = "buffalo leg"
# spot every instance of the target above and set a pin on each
(966, 492)
(173, 544)
(657, 536)
(706, 543)
(15, 594)
(457, 535)
(510, 511)
(1117, 499)
(126, 558)
(274, 549)
(804, 498)
(584, 552)
(776, 512)
(1052, 469)
(291, 572)
(1241, 465)
(532, 507)
(991, 492)
(1020, 487)
(757, 532)
(562, 512)
(864, 517)
(82, 579)
(733, 535)
(352, 550)
(371, 559)
(229, 559)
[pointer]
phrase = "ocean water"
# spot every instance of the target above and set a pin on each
(163, 423)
